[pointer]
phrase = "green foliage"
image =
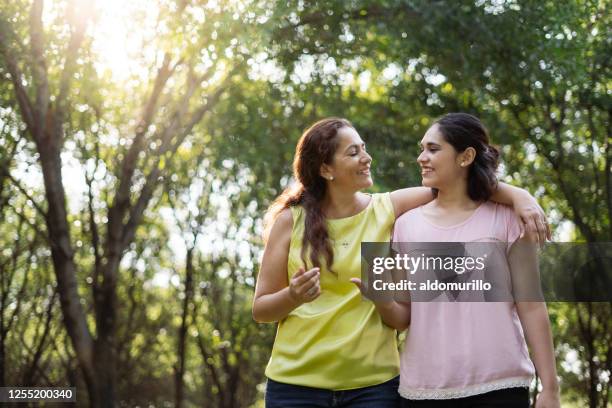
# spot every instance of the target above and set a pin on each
(536, 72)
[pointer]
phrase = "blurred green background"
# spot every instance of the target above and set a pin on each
(142, 141)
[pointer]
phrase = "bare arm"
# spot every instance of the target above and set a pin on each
(523, 259)
(526, 207)
(534, 319)
(394, 314)
(406, 199)
(275, 297)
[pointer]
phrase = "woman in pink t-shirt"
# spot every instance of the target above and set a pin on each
(468, 354)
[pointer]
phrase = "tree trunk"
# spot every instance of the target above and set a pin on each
(182, 340)
(2, 357)
(63, 260)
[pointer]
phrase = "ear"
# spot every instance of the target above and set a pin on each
(326, 172)
(467, 157)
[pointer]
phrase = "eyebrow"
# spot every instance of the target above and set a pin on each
(429, 144)
(354, 145)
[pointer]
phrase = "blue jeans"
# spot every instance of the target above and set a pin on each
(280, 395)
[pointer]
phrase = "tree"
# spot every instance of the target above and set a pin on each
(180, 93)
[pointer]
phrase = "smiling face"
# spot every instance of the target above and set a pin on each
(441, 165)
(350, 167)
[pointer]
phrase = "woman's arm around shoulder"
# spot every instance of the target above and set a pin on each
(275, 297)
(526, 207)
(406, 199)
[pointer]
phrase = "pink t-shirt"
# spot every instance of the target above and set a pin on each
(459, 349)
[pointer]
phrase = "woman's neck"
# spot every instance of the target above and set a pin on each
(454, 198)
(453, 203)
(449, 210)
(338, 204)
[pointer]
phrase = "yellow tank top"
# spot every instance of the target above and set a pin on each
(338, 341)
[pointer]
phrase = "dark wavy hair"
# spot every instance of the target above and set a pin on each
(316, 147)
(463, 130)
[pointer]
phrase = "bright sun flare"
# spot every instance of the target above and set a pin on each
(118, 36)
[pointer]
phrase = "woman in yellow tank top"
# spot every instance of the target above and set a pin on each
(332, 348)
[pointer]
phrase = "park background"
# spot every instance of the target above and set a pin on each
(141, 142)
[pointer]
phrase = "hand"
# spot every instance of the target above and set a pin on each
(359, 285)
(364, 292)
(534, 218)
(548, 399)
(304, 286)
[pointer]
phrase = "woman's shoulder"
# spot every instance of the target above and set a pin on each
(505, 219)
(381, 198)
(382, 203)
(410, 215)
(505, 212)
(283, 222)
(377, 197)
(285, 217)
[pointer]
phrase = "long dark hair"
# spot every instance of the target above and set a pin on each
(463, 130)
(316, 147)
